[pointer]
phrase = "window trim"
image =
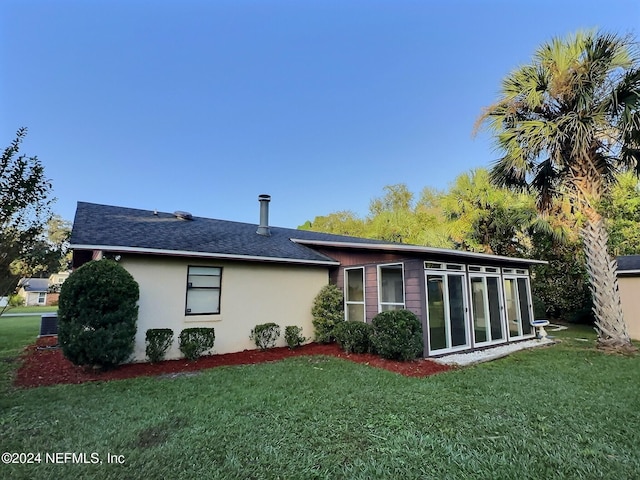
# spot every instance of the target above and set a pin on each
(379, 281)
(189, 287)
(353, 302)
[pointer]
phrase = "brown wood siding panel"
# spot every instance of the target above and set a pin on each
(371, 292)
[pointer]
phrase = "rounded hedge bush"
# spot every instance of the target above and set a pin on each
(327, 311)
(354, 337)
(97, 315)
(397, 335)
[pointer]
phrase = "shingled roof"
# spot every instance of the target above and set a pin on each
(629, 263)
(109, 228)
(119, 229)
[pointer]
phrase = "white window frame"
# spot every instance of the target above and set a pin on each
(515, 274)
(379, 280)
(485, 273)
(189, 286)
(348, 302)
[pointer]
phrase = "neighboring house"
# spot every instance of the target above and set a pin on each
(34, 291)
(629, 285)
(200, 272)
(42, 291)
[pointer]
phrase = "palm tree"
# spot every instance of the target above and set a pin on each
(567, 123)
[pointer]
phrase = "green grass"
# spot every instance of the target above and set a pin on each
(566, 411)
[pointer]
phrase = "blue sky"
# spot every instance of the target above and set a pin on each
(202, 105)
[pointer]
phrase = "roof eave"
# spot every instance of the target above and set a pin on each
(186, 253)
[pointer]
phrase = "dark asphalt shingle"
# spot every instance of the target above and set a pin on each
(109, 226)
(628, 262)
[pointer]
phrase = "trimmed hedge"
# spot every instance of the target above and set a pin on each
(265, 335)
(158, 341)
(397, 335)
(97, 315)
(327, 311)
(196, 341)
(354, 337)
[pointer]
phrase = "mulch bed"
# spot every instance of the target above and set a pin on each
(44, 365)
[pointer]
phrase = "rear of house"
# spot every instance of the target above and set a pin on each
(195, 272)
(629, 285)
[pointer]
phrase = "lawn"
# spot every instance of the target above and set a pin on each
(566, 411)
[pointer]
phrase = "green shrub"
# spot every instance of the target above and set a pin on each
(265, 335)
(16, 301)
(158, 341)
(193, 342)
(97, 315)
(397, 335)
(293, 336)
(327, 311)
(354, 337)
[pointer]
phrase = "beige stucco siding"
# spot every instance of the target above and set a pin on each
(251, 293)
(630, 296)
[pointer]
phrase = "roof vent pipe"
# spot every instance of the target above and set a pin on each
(263, 228)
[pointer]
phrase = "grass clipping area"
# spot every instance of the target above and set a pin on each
(567, 411)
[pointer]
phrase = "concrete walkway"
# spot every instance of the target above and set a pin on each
(488, 354)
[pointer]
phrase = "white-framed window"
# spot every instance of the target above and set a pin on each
(203, 290)
(391, 287)
(42, 298)
(444, 266)
(354, 294)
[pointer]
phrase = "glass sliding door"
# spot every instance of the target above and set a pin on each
(446, 311)
(486, 309)
(517, 294)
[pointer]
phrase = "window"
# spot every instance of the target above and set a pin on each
(42, 297)
(391, 287)
(354, 294)
(203, 290)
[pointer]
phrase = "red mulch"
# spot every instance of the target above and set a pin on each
(47, 366)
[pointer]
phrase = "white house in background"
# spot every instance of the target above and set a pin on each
(34, 291)
(201, 272)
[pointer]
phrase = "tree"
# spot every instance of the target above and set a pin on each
(621, 207)
(566, 123)
(24, 208)
(49, 252)
(486, 218)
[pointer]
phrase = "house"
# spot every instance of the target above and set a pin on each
(629, 286)
(42, 291)
(201, 272)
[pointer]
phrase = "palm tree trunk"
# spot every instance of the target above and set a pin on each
(607, 308)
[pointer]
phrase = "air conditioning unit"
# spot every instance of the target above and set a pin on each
(48, 324)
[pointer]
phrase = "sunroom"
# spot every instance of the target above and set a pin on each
(464, 300)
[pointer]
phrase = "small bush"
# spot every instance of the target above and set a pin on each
(196, 341)
(158, 342)
(293, 336)
(327, 311)
(354, 337)
(397, 335)
(97, 315)
(16, 301)
(265, 335)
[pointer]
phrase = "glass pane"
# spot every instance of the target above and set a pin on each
(203, 301)
(479, 315)
(524, 306)
(513, 320)
(456, 311)
(204, 281)
(391, 288)
(355, 313)
(435, 297)
(204, 270)
(387, 307)
(355, 285)
(494, 309)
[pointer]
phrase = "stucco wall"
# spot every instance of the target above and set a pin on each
(629, 293)
(251, 293)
